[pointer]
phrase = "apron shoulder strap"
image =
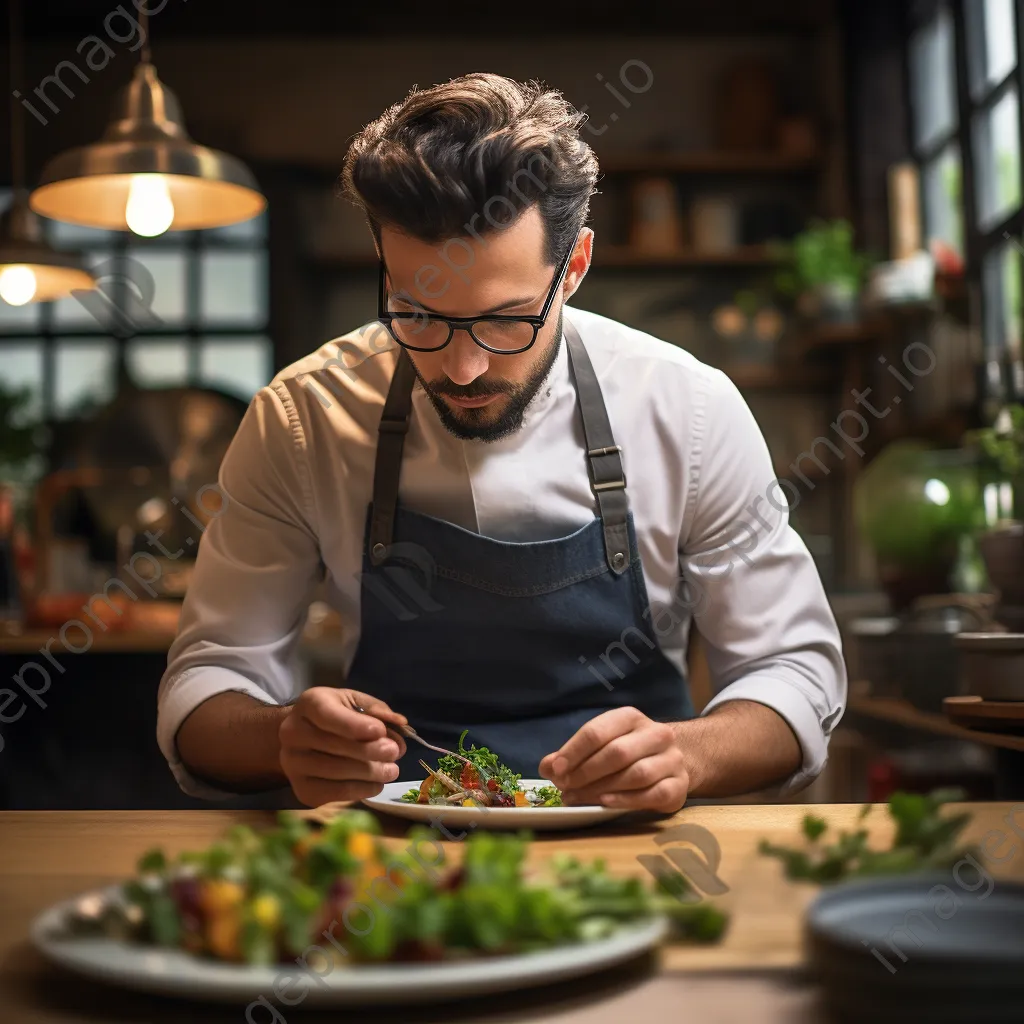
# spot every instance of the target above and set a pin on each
(604, 461)
(387, 470)
(604, 458)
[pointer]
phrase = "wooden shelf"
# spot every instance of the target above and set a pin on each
(605, 256)
(708, 162)
(777, 378)
(901, 712)
(628, 256)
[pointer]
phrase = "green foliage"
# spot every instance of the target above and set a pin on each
(489, 904)
(1002, 444)
(925, 839)
(483, 759)
(549, 796)
(823, 254)
(21, 439)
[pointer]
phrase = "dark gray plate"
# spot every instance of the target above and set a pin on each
(940, 947)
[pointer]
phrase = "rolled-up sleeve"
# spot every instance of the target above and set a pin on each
(255, 571)
(758, 600)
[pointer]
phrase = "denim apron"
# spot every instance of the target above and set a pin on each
(520, 643)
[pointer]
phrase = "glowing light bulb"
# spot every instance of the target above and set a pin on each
(17, 285)
(936, 492)
(149, 210)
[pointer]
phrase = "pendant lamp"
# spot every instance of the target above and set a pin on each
(30, 270)
(146, 175)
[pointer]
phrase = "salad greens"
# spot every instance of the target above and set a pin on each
(486, 762)
(485, 781)
(924, 839)
(266, 898)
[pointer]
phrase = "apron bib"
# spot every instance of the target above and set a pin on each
(521, 644)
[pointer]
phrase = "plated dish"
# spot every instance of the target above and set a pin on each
(535, 818)
(386, 925)
(482, 782)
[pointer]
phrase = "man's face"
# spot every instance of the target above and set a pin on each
(480, 395)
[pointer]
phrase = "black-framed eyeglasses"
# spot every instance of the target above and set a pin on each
(503, 335)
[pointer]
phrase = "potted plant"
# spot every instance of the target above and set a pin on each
(1000, 451)
(823, 270)
(21, 463)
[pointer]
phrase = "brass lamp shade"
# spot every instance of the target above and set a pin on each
(57, 273)
(90, 185)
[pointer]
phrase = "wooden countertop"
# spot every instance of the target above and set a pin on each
(46, 856)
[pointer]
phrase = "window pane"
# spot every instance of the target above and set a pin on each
(20, 318)
(234, 288)
(84, 375)
(240, 366)
(157, 363)
(254, 230)
(75, 236)
(1001, 277)
(159, 280)
(21, 365)
(93, 310)
(991, 43)
(943, 210)
(997, 145)
(933, 79)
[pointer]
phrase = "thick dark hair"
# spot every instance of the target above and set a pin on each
(468, 157)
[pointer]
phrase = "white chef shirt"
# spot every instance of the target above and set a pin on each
(297, 479)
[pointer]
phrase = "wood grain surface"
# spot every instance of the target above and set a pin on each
(47, 856)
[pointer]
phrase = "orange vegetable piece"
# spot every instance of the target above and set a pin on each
(216, 895)
(223, 932)
(521, 800)
(361, 845)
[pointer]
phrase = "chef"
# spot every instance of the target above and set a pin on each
(517, 509)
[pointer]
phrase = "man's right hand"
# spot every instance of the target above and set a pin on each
(330, 751)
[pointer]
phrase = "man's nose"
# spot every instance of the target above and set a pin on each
(464, 360)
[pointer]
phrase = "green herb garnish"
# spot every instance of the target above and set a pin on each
(925, 839)
(485, 761)
(549, 796)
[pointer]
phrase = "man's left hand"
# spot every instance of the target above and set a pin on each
(621, 759)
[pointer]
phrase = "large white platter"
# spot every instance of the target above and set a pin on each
(534, 819)
(173, 973)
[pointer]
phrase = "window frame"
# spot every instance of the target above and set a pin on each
(192, 329)
(981, 244)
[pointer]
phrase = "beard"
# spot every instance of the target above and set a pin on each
(472, 424)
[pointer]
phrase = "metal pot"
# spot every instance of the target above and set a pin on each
(914, 656)
(992, 665)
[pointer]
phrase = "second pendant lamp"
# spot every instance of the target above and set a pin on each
(146, 175)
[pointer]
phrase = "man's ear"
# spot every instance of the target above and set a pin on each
(579, 263)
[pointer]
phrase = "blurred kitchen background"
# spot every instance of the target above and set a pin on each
(819, 197)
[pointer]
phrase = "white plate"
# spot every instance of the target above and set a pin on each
(174, 973)
(535, 819)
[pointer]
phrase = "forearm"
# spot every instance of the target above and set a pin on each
(232, 742)
(740, 747)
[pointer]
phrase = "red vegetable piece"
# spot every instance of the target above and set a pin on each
(492, 785)
(469, 778)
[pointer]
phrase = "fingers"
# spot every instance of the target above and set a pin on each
(315, 792)
(331, 752)
(619, 755)
(378, 709)
(589, 739)
(641, 777)
(331, 711)
(299, 733)
(667, 796)
(317, 765)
